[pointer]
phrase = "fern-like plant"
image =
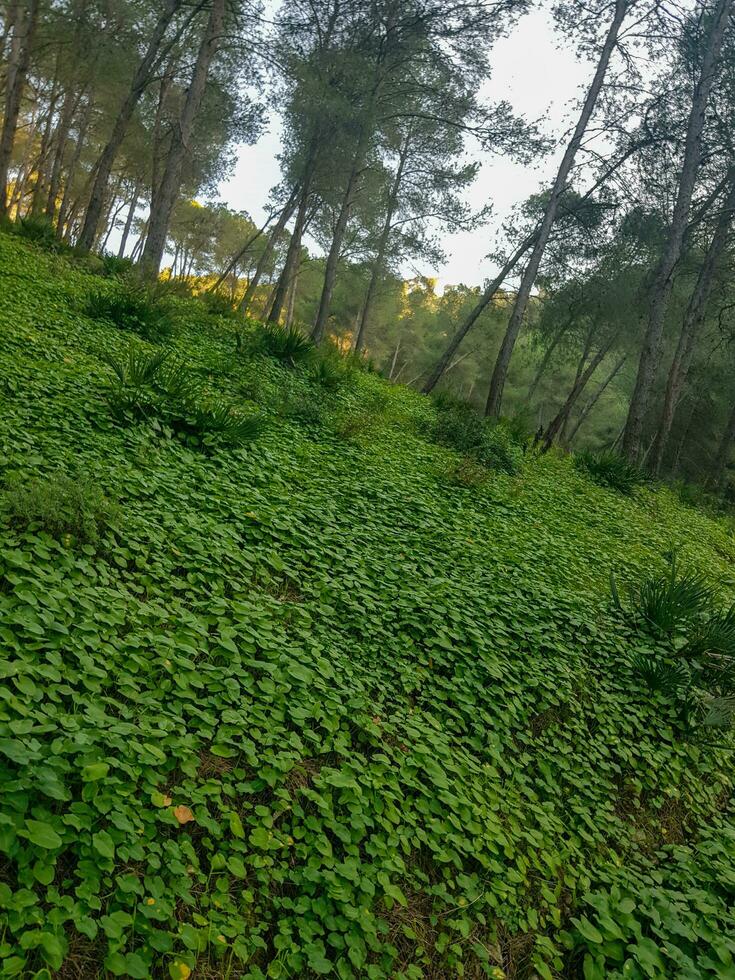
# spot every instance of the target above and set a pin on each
(286, 344)
(610, 470)
(660, 675)
(666, 603)
(133, 307)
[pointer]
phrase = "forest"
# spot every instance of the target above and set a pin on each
(608, 323)
(354, 623)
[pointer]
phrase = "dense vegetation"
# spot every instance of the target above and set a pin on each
(608, 318)
(335, 699)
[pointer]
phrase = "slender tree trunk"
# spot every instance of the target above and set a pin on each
(330, 272)
(277, 229)
(484, 301)
(661, 290)
(103, 167)
(138, 247)
(291, 304)
(500, 372)
(293, 253)
(594, 399)
(557, 424)
(24, 170)
(61, 137)
(26, 20)
(395, 358)
(378, 269)
(723, 453)
(71, 173)
(40, 190)
(112, 217)
(164, 195)
(548, 353)
(129, 221)
(691, 326)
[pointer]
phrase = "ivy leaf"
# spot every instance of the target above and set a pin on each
(42, 834)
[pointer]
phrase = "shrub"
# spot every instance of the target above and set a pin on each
(135, 307)
(115, 267)
(217, 304)
(666, 603)
(288, 345)
(466, 472)
(150, 386)
(305, 407)
(610, 470)
(331, 371)
(74, 511)
(40, 231)
(458, 426)
(355, 425)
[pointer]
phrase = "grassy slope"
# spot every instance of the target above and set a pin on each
(400, 712)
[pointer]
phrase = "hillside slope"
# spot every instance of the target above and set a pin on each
(306, 709)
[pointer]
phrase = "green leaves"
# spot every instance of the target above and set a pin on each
(394, 718)
(42, 834)
(95, 771)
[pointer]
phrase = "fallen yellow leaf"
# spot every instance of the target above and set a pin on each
(183, 814)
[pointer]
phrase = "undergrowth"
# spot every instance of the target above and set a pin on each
(309, 711)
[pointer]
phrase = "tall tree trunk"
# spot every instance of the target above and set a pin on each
(661, 288)
(394, 359)
(291, 304)
(40, 190)
(557, 424)
(548, 353)
(24, 28)
(594, 399)
(723, 451)
(61, 137)
(293, 253)
(500, 371)
(691, 326)
(484, 301)
(25, 169)
(164, 194)
(66, 197)
(129, 221)
(103, 167)
(378, 269)
(286, 212)
(330, 271)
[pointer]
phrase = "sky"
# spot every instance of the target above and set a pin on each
(535, 75)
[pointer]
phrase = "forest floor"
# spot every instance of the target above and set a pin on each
(307, 707)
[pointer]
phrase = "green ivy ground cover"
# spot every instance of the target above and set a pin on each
(309, 711)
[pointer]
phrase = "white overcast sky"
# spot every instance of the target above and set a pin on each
(540, 79)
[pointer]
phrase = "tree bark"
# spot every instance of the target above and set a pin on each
(71, 173)
(661, 289)
(293, 253)
(500, 371)
(103, 167)
(379, 261)
(330, 272)
(165, 193)
(277, 229)
(20, 56)
(557, 424)
(484, 301)
(129, 221)
(593, 400)
(691, 326)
